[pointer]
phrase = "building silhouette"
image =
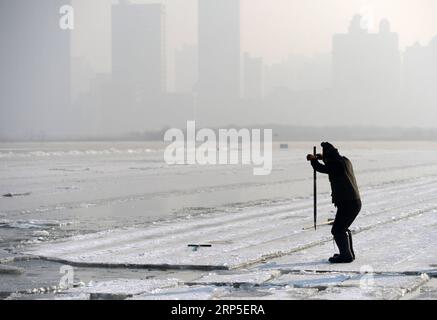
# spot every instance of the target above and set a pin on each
(35, 67)
(186, 69)
(365, 62)
(219, 51)
(252, 77)
(82, 74)
(132, 98)
(138, 58)
(420, 70)
(299, 73)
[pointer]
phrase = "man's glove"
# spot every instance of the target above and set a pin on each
(311, 157)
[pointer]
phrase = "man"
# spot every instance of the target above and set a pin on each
(345, 196)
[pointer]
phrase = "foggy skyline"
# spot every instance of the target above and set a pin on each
(271, 30)
(367, 75)
(299, 89)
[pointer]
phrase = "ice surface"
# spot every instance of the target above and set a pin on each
(249, 236)
(124, 287)
(109, 195)
(184, 293)
(394, 242)
(310, 280)
(427, 291)
(238, 278)
(404, 246)
(272, 293)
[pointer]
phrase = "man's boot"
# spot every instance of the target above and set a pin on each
(349, 233)
(351, 245)
(345, 255)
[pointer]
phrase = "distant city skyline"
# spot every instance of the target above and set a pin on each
(365, 78)
(271, 30)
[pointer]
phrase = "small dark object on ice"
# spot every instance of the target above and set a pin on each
(196, 247)
(11, 195)
(284, 146)
(330, 222)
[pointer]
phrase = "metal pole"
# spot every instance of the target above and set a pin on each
(315, 192)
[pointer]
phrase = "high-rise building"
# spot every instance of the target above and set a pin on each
(420, 70)
(252, 77)
(138, 59)
(35, 68)
(219, 51)
(186, 65)
(366, 62)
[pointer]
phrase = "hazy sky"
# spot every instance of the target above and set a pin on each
(270, 28)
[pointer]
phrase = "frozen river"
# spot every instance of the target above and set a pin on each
(123, 205)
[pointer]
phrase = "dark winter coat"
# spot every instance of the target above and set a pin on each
(341, 176)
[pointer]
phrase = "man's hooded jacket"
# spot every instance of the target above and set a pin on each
(341, 174)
